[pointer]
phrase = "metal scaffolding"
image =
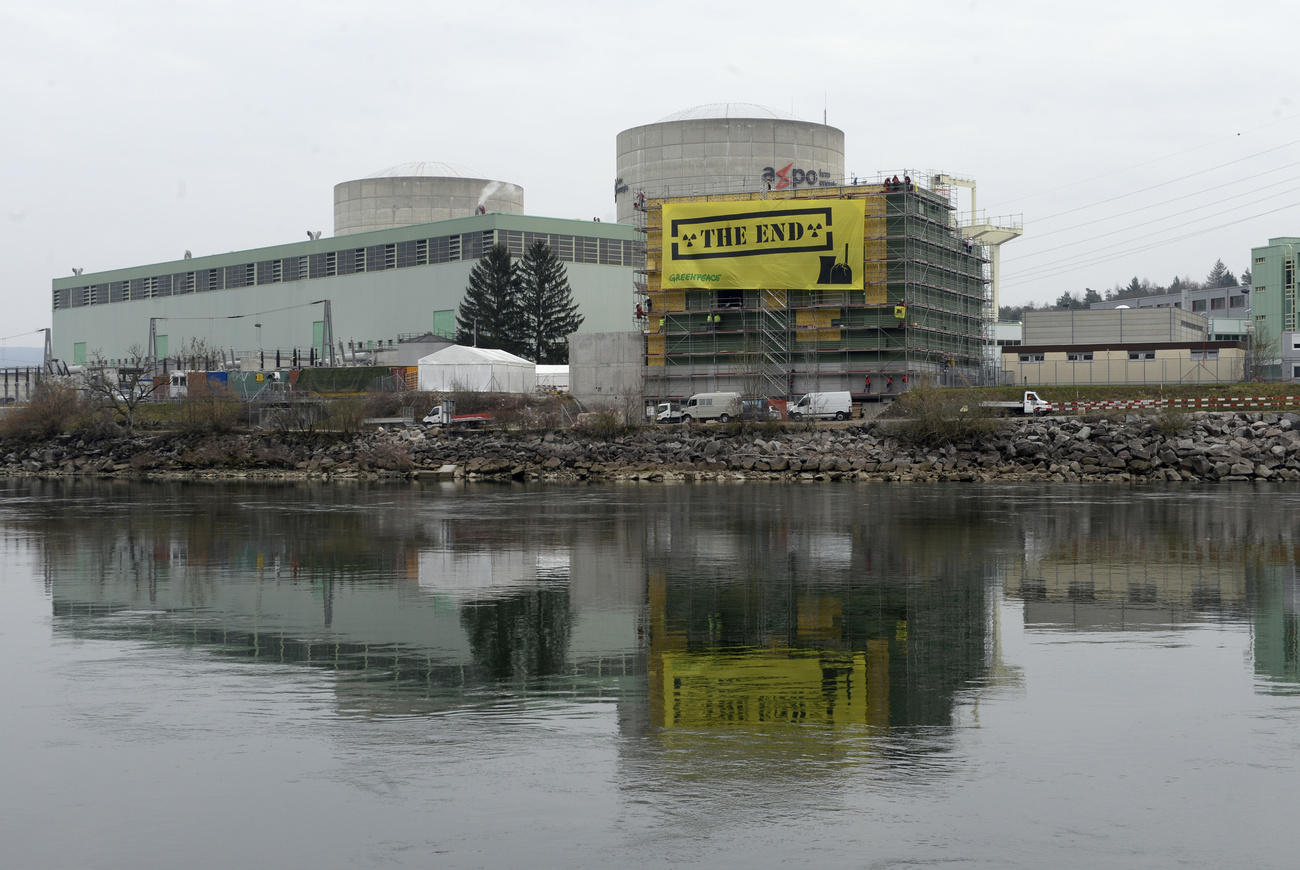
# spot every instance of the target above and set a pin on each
(921, 313)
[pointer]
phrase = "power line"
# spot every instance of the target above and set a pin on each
(1143, 248)
(1160, 159)
(1131, 227)
(21, 334)
(1037, 236)
(1168, 182)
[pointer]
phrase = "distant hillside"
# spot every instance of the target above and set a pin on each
(21, 356)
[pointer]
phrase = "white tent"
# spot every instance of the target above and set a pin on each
(554, 379)
(476, 370)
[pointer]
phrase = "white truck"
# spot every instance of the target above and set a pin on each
(822, 406)
(1029, 404)
(722, 407)
(444, 414)
(668, 412)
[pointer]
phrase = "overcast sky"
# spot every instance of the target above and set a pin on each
(1133, 139)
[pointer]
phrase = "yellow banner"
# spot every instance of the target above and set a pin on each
(777, 245)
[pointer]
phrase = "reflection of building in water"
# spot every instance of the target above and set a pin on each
(882, 651)
(522, 604)
(1111, 591)
(1275, 594)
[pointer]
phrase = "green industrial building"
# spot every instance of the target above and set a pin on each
(380, 286)
(1276, 340)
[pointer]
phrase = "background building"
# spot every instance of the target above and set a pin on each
(1273, 312)
(921, 311)
(1120, 346)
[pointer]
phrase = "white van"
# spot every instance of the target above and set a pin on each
(711, 406)
(823, 406)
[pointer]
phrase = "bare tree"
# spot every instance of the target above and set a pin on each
(124, 386)
(1263, 355)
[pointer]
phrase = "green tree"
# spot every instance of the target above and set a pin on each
(1220, 276)
(549, 313)
(1068, 300)
(1245, 278)
(1012, 313)
(1134, 289)
(490, 315)
(1090, 296)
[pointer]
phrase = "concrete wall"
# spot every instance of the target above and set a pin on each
(1128, 325)
(380, 203)
(606, 372)
(722, 155)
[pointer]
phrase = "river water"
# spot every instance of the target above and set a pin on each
(750, 675)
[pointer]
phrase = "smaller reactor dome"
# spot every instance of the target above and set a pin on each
(418, 193)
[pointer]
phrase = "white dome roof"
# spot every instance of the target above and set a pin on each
(727, 110)
(425, 169)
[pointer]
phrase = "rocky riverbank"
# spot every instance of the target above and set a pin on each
(1193, 447)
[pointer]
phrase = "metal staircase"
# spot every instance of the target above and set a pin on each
(773, 356)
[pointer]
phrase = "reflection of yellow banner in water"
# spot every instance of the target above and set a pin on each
(777, 687)
(787, 245)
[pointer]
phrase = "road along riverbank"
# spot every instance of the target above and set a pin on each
(1191, 447)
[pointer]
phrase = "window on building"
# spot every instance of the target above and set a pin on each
(444, 249)
(1198, 304)
(270, 271)
(1205, 354)
(1237, 302)
(1081, 356)
(1295, 371)
(1218, 303)
(611, 252)
(1139, 355)
(513, 240)
(1031, 357)
(414, 253)
(381, 257)
(1259, 259)
(474, 245)
(563, 247)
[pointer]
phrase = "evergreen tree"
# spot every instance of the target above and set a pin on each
(549, 314)
(1220, 276)
(490, 314)
(1090, 296)
(1245, 278)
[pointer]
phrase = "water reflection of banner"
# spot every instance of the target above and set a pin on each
(791, 245)
(774, 687)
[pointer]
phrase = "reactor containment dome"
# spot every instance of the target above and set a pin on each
(723, 148)
(419, 193)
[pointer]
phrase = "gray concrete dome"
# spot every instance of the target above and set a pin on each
(724, 148)
(418, 193)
